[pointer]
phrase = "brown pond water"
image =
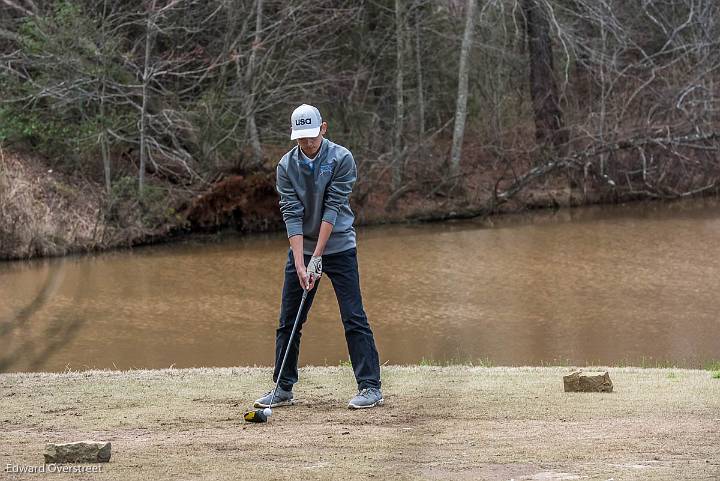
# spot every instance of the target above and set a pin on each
(636, 284)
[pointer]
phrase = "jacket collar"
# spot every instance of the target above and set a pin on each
(318, 158)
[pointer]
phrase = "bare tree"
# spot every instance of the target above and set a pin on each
(462, 90)
(26, 7)
(146, 76)
(543, 88)
(252, 130)
(186, 90)
(419, 73)
(397, 161)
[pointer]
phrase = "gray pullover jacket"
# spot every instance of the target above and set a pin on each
(312, 194)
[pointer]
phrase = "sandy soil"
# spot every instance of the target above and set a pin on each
(438, 423)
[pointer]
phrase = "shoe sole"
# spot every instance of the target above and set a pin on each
(376, 403)
(275, 405)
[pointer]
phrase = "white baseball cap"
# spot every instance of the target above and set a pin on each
(305, 122)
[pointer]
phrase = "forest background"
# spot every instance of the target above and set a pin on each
(127, 122)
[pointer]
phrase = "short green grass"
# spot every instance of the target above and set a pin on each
(714, 368)
(455, 362)
(712, 365)
(644, 363)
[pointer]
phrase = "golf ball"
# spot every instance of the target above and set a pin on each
(267, 412)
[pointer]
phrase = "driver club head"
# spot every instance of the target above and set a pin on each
(256, 416)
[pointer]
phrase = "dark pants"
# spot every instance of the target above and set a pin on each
(342, 269)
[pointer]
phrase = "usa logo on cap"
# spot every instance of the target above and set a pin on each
(305, 122)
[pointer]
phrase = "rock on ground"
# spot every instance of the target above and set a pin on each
(78, 452)
(579, 381)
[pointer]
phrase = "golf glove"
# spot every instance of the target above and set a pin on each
(314, 268)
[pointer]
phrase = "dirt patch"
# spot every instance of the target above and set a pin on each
(456, 423)
(245, 203)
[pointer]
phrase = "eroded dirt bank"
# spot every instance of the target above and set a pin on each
(44, 212)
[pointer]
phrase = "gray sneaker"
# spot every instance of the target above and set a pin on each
(282, 398)
(366, 398)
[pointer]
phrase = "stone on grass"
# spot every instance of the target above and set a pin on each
(581, 381)
(78, 452)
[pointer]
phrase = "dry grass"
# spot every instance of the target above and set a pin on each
(49, 213)
(438, 423)
(42, 214)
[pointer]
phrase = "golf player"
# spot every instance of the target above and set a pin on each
(314, 181)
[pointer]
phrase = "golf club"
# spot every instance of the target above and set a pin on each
(261, 415)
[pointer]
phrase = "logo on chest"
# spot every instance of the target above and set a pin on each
(327, 168)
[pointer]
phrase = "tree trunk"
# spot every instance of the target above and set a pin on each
(150, 27)
(543, 88)
(397, 170)
(418, 70)
(252, 130)
(104, 144)
(104, 149)
(462, 94)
